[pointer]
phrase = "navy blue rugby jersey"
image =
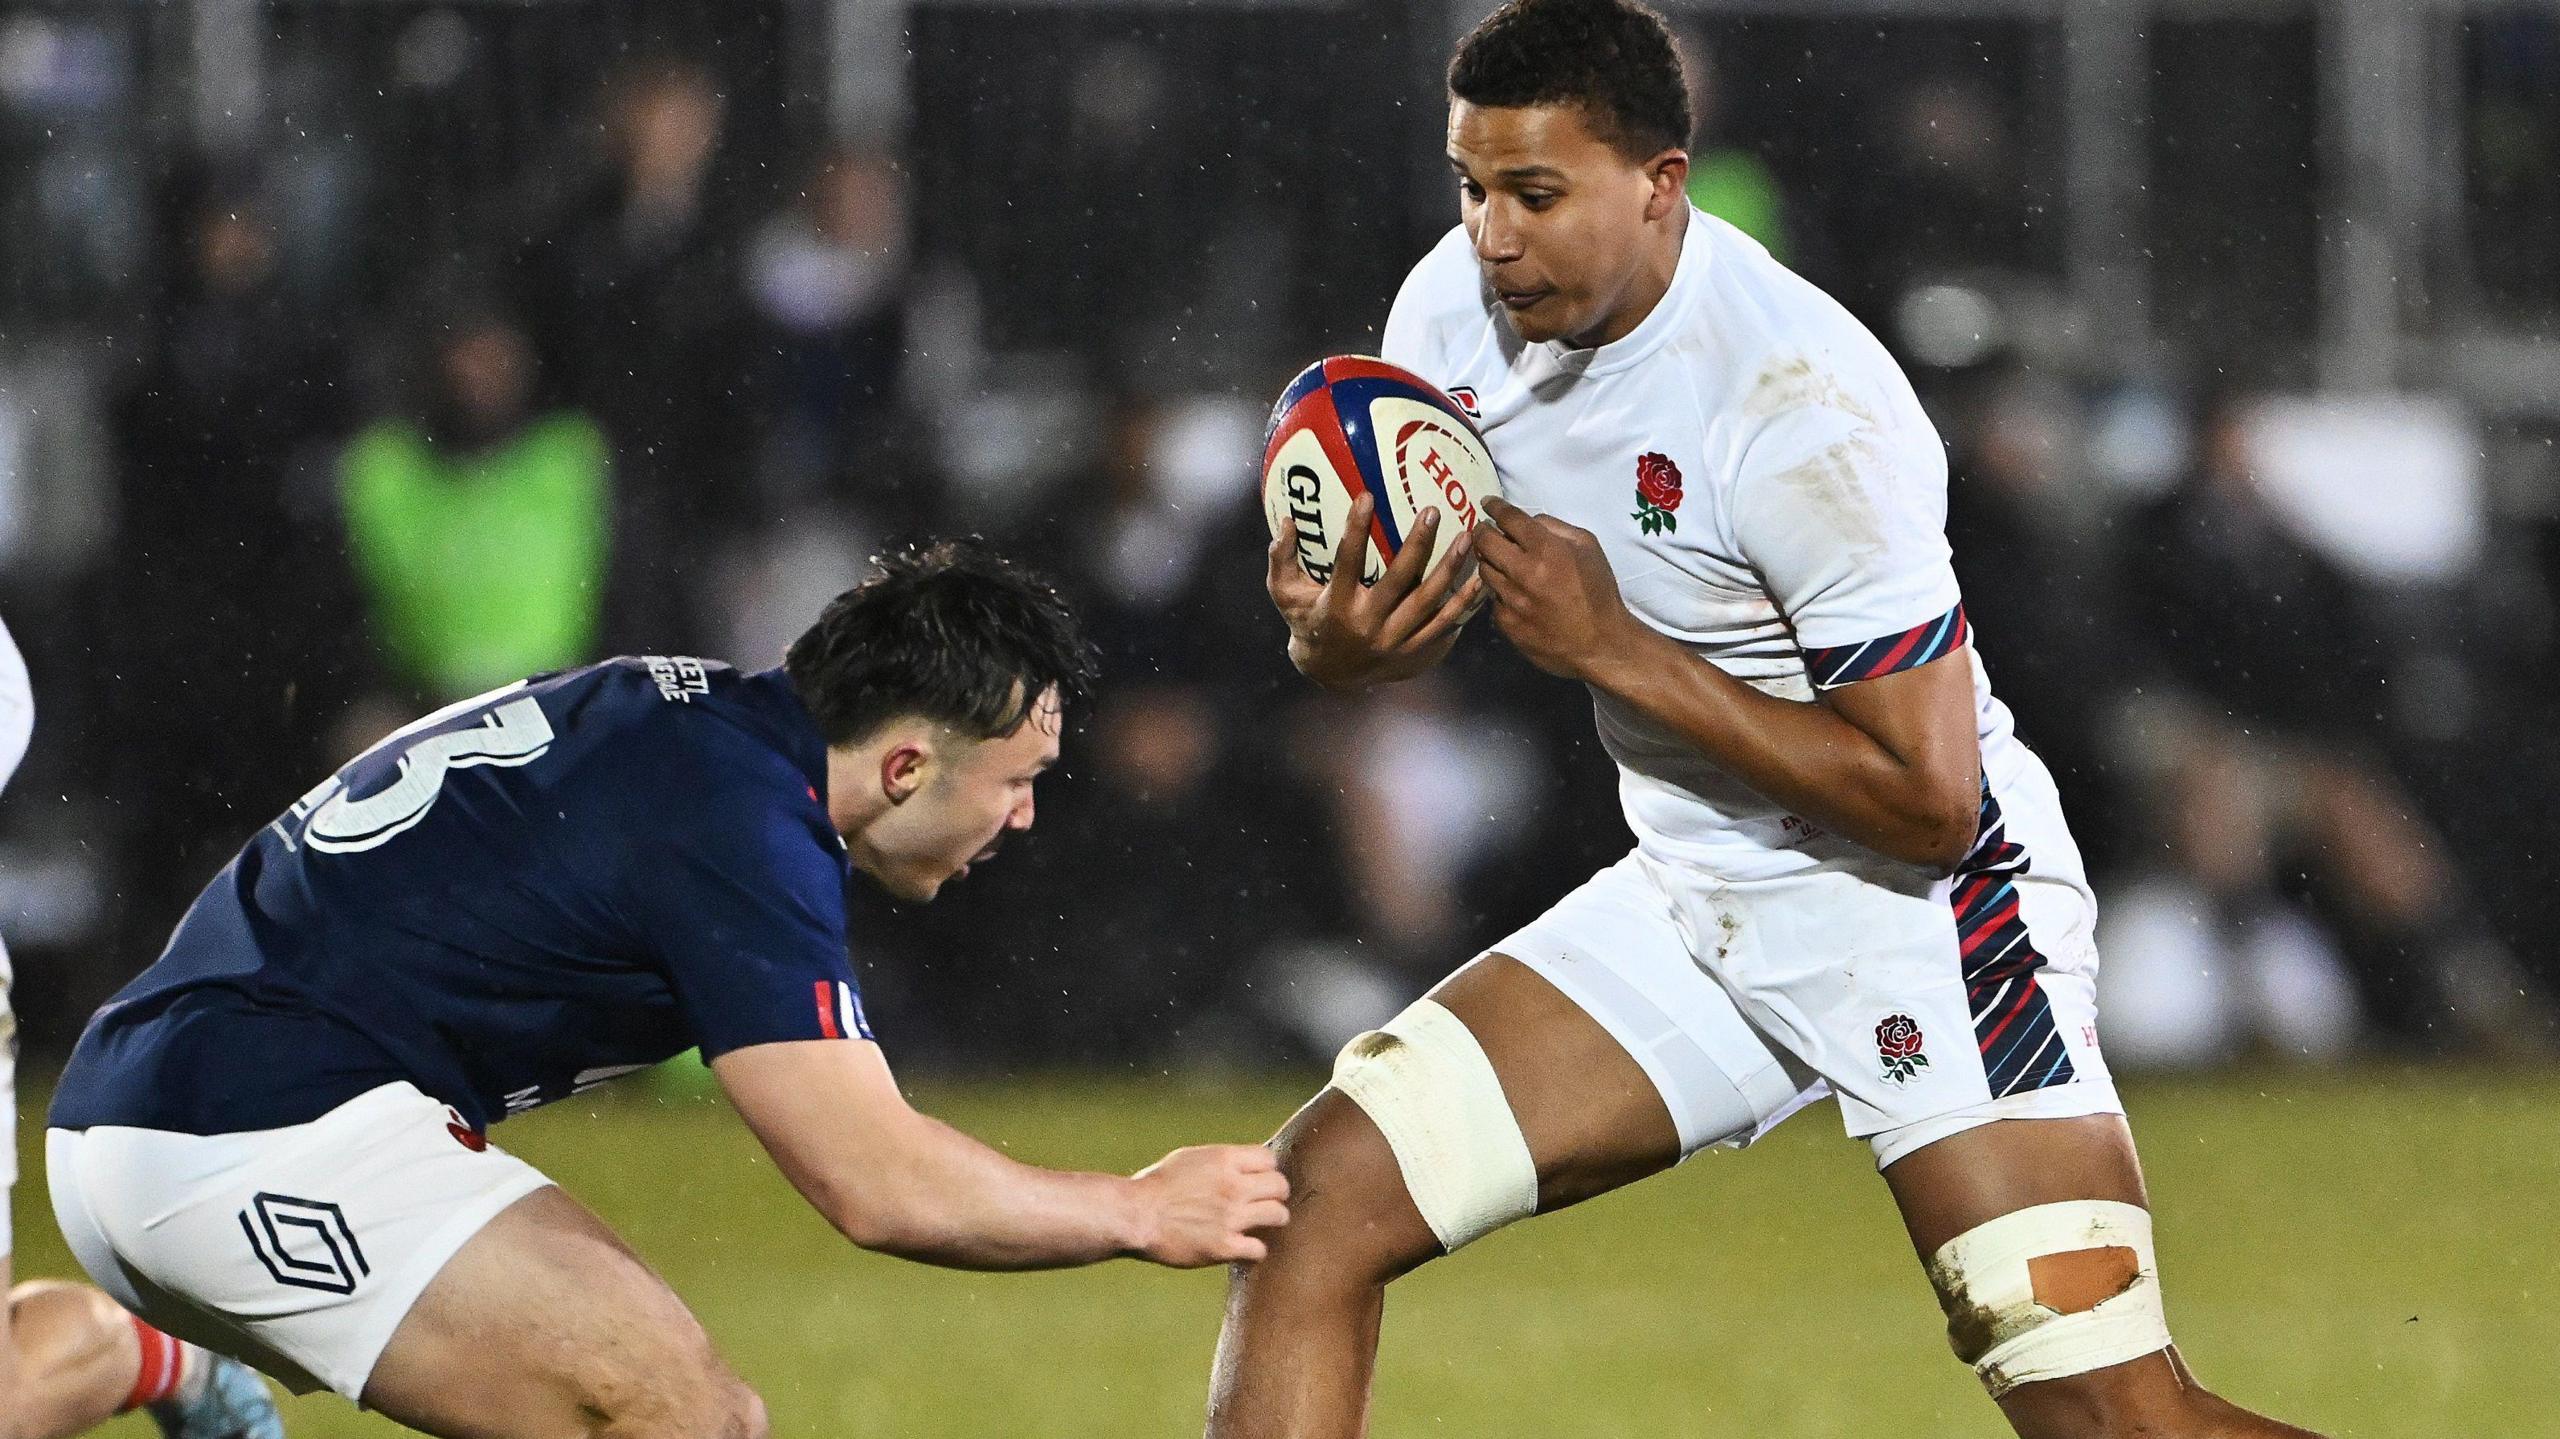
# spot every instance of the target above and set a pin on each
(515, 898)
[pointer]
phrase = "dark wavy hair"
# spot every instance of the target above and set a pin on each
(1614, 58)
(948, 630)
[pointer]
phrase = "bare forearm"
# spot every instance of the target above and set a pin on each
(903, 1183)
(944, 1198)
(1800, 754)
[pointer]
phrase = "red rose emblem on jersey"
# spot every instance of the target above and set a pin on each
(1657, 492)
(1898, 1045)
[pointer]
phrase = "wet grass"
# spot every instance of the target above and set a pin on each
(2370, 1252)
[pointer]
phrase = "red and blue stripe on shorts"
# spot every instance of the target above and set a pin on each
(2012, 1019)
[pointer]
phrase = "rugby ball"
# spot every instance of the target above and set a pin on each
(1354, 425)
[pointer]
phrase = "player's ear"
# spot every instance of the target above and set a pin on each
(1667, 183)
(902, 769)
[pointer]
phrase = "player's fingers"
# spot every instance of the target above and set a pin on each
(1456, 612)
(1496, 548)
(1244, 1249)
(1267, 1214)
(1472, 598)
(1479, 589)
(1452, 571)
(1351, 556)
(1249, 1162)
(1406, 570)
(1292, 588)
(1286, 578)
(1427, 602)
(1507, 518)
(1409, 577)
(1268, 1184)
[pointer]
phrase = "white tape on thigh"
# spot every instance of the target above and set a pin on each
(1424, 1081)
(1998, 1327)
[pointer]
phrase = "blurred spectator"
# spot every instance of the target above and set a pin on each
(2265, 745)
(1119, 287)
(633, 293)
(1167, 865)
(1946, 194)
(478, 523)
(783, 575)
(1725, 180)
(2028, 528)
(1152, 538)
(1421, 796)
(829, 280)
(222, 606)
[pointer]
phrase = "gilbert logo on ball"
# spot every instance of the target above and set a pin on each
(1354, 425)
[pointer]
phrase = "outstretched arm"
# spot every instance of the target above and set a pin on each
(1893, 763)
(903, 1183)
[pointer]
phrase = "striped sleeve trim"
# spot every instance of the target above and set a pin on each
(1838, 665)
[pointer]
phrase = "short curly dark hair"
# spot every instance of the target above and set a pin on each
(1614, 58)
(949, 630)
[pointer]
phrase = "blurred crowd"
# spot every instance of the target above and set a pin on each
(652, 390)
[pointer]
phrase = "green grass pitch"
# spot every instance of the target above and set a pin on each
(2375, 1252)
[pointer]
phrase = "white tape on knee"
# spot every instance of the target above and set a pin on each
(1994, 1320)
(1424, 1081)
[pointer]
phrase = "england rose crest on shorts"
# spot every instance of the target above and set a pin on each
(1898, 1044)
(1657, 493)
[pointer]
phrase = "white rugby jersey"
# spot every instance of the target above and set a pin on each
(1769, 493)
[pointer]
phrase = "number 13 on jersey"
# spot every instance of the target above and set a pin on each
(485, 729)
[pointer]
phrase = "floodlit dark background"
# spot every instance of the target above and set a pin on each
(357, 355)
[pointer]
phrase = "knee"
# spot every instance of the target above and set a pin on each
(63, 1299)
(725, 1408)
(726, 1411)
(56, 1324)
(708, 1402)
(1349, 1215)
(744, 1416)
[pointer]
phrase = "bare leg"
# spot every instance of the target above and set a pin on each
(8, 1353)
(1974, 1177)
(76, 1357)
(1301, 1335)
(594, 1345)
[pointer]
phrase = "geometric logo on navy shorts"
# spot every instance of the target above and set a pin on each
(304, 1242)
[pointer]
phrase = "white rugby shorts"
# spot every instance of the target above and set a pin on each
(298, 1250)
(1928, 1009)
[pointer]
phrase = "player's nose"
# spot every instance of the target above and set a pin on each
(1497, 242)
